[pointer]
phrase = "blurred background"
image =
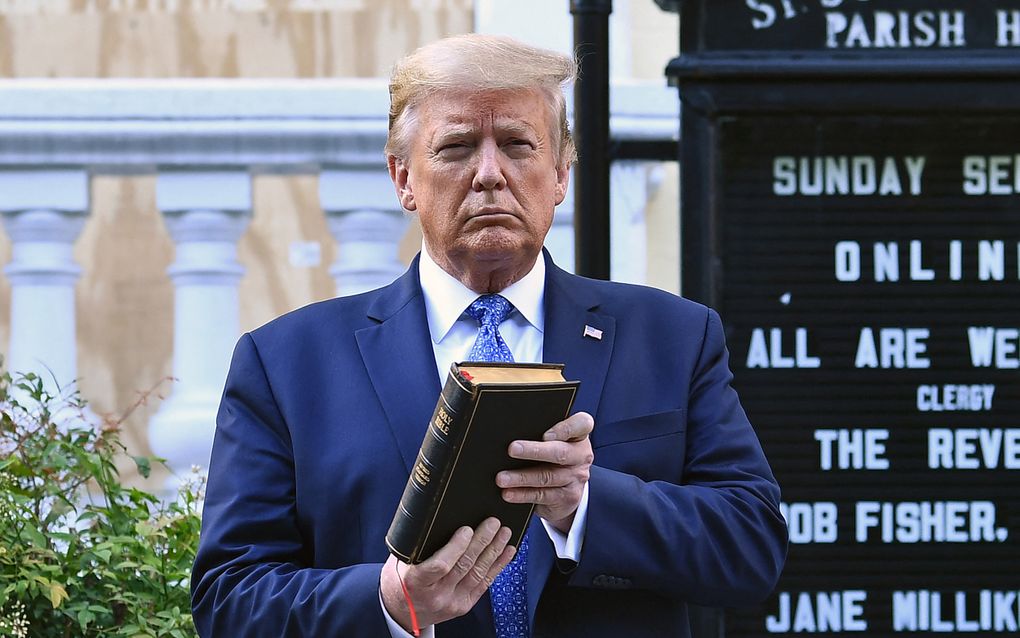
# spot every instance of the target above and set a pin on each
(175, 172)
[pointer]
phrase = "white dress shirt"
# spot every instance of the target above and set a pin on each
(453, 333)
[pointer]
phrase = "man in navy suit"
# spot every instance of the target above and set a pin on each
(655, 493)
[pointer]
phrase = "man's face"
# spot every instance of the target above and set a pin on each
(483, 178)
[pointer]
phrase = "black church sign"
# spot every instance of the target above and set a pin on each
(851, 205)
(861, 25)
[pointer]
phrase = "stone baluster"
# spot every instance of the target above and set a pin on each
(206, 214)
(364, 217)
(43, 212)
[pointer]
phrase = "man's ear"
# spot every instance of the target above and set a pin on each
(401, 182)
(562, 181)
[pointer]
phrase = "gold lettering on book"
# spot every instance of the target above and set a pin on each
(422, 475)
(443, 420)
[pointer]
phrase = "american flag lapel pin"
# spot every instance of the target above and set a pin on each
(594, 333)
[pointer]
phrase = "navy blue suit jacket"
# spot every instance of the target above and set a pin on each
(322, 416)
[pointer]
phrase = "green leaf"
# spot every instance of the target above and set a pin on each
(57, 594)
(33, 535)
(144, 465)
(85, 618)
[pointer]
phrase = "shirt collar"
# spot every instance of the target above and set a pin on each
(446, 298)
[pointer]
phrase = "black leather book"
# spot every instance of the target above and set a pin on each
(483, 408)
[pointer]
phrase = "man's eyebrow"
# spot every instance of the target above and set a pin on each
(453, 130)
(515, 127)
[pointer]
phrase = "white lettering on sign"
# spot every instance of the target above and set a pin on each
(825, 611)
(974, 448)
(923, 610)
(862, 175)
(810, 522)
(928, 522)
(899, 29)
(768, 352)
(994, 347)
(954, 398)
(1007, 28)
(766, 14)
(848, 261)
(889, 264)
(894, 348)
(956, 260)
(855, 449)
(991, 175)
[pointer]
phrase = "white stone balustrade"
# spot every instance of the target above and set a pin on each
(366, 220)
(43, 213)
(203, 139)
(206, 213)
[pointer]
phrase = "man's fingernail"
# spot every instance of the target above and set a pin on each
(516, 448)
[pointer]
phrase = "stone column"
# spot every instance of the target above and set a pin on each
(43, 212)
(205, 213)
(365, 218)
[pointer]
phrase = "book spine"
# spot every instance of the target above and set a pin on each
(425, 485)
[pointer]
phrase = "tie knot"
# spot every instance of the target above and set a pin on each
(490, 310)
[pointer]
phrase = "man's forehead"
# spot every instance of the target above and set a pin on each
(519, 109)
(449, 123)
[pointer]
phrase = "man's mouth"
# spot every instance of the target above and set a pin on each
(491, 210)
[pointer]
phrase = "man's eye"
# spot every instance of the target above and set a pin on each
(453, 148)
(520, 145)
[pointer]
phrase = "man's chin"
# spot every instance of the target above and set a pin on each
(498, 245)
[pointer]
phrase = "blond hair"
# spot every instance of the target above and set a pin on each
(478, 62)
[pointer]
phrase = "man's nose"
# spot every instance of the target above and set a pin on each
(489, 174)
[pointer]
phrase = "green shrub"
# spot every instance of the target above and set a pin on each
(80, 553)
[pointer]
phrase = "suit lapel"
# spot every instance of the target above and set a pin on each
(400, 361)
(570, 306)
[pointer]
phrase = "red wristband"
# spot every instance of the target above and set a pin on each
(415, 629)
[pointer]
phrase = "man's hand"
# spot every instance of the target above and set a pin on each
(557, 482)
(451, 581)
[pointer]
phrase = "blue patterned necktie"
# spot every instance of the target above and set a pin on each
(509, 590)
(490, 311)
